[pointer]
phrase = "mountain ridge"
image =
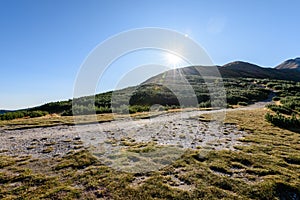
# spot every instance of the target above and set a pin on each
(290, 64)
(235, 69)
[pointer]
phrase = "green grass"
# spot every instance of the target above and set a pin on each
(266, 167)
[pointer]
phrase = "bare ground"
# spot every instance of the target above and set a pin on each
(183, 129)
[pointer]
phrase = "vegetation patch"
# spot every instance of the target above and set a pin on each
(239, 91)
(266, 166)
(287, 113)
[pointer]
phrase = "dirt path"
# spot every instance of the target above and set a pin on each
(181, 129)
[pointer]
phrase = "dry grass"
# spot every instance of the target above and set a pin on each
(63, 120)
(266, 167)
(55, 120)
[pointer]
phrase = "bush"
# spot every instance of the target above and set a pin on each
(21, 114)
(276, 99)
(105, 109)
(67, 113)
(138, 108)
(122, 109)
(37, 113)
(277, 87)
(83, 109)
(233, 99)
(171, 107)
(280, 109)
(281, 121)
(205, 104)
(242, 103)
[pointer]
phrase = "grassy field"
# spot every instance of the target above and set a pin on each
(266, 167)
(55, 120)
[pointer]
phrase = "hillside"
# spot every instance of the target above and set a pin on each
(171, 87)
(236, 69)
(244, 69)
(290, 64)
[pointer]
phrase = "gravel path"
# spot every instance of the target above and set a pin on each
(183, 129)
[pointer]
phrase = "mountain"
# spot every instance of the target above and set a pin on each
(290, 64)
(160, 89)
(248, 70)
(237, 69)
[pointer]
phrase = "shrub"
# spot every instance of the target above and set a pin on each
(277, 87)
(242, 103)
(83, 109)
(281, 121)
(21, 114)
(138, 108)
(167, 107)
(37, 113)
(67, 113)
(276, 98)
(122, 109)
(280, 109)
(205, 104)
(101, 109)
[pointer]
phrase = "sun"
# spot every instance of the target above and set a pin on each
(173, 59)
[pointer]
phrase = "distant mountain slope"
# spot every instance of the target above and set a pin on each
(236, 69)
(290, 64)
(248, 70)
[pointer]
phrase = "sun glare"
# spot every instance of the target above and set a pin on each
(173, 60)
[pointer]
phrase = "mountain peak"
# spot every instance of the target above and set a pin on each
(238, 62)
(240, 65)
(290, 64)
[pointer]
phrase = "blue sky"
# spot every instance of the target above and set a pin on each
(43, 43)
